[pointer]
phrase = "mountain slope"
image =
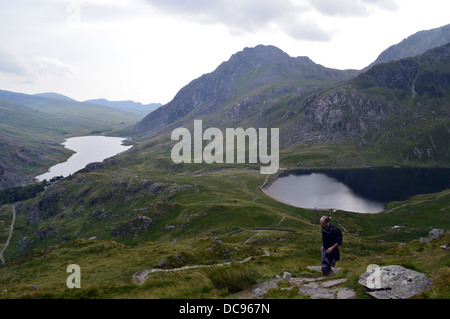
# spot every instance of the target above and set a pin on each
(56, 96)
(249, 79)
(32, 129)
(85, 115)
(127, 106)
(29, 142)
(415, 44)
(397, 111)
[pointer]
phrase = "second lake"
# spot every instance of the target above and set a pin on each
(89, 149)
(356, 190)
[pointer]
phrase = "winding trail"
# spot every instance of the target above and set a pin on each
(141, 276)
(10, 234)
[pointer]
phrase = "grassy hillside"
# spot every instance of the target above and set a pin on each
(32, 129)
(140, 210)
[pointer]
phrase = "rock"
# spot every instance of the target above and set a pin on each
(394, 282)
(258, 292)
(332, 283)
(312, 289)
(446, 247)
(346, 293)
(435, 234)
(323, 290)
(286, 276)
(432, 235)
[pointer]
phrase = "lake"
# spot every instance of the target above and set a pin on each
(356, 190)
(89, 149)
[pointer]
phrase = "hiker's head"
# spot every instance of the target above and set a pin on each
(325, 222)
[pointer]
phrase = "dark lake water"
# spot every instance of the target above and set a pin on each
(356, 190)
(88, 149)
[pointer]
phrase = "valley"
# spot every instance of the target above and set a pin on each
(140, 210)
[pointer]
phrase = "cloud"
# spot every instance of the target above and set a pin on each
(246, 16)
(52, 68)
(351, 8)
(36, 68)
(289, 16)
(9, 63)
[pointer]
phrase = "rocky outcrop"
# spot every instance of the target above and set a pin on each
(433, 234)
(314, 288)
(394, 282)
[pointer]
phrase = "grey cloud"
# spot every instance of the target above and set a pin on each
(308, 31)
(247, 15)
(351, 8)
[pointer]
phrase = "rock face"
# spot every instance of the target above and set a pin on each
(394, 282)
(434, 234)
(315, 288)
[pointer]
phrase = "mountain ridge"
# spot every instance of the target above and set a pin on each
(414, 44)
(248, 73)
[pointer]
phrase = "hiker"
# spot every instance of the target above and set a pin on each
(331, 239)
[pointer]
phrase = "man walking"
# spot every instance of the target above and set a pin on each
(331, 239)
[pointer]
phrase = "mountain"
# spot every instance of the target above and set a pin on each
(394, 112)
(100, 117)
(32, 128)
(415, 44)
(254, 77)
(127, 106)
(398, 111)
(56, 96)
(29, 142)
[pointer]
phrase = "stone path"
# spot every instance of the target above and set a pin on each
(316, 288)
(141, 276)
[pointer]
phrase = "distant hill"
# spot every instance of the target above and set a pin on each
(415, 44)
(32, 128)
(127, 106)
(29, 142)
(57, 96)
(96, 116)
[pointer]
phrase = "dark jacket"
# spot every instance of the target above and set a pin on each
(331, 236)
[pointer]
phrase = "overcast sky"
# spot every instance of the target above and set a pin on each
(146, 50)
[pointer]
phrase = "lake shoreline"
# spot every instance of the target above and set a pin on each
(359, 190)
(87, 149)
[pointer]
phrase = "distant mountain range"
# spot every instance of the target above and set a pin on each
(127, 106)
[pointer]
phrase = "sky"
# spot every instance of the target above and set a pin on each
(147, 50)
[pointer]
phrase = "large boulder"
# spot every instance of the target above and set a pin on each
(394, 282)
(433, 234)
